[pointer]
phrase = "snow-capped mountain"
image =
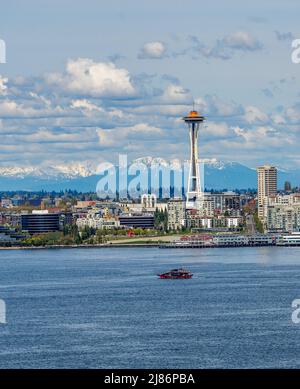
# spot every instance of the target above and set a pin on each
(82, 176)
(148, 161)
(67, 171)
(87, 169)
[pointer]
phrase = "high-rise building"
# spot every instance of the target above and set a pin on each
(283, 218)
(176, 214)
(287, 186)
(194, 194)
(266, 187)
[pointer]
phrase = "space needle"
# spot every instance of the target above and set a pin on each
(194, 195)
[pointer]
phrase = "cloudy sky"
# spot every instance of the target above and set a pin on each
(87, 80)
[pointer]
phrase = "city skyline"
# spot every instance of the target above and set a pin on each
(82, 97)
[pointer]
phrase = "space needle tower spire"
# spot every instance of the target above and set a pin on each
(194, 195)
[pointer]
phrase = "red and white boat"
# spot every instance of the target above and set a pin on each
(176, 274)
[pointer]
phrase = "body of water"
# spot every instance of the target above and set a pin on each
(105, 308)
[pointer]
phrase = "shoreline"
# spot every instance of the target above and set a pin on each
(93, 246)
(133, 245)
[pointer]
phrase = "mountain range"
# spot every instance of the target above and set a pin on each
(82, 177)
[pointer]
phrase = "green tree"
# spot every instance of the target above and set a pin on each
(258, 224)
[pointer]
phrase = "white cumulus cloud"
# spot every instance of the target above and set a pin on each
(254, 115)
(3, 87)
(85, 105)
(99, 79)
(120, 136)
(242, 40)
(176, 94)
(152, 50)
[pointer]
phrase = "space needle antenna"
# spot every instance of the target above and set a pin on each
(194, 195)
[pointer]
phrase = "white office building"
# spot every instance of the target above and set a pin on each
(97, 221)
(176, 214)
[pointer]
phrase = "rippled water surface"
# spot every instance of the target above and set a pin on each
(105, 308)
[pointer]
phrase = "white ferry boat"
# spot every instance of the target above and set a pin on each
(292, 239)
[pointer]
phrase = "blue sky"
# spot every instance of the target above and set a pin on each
(86, 80)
